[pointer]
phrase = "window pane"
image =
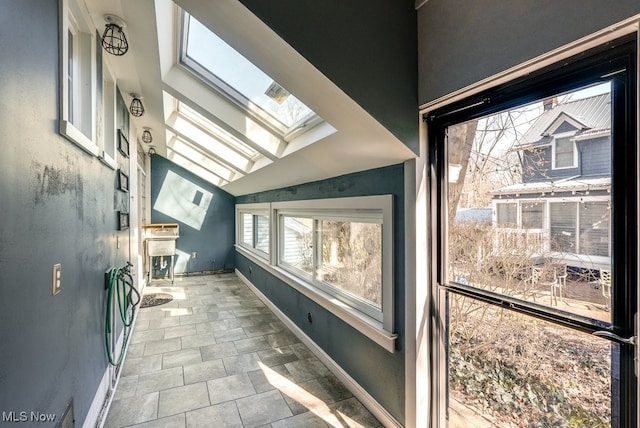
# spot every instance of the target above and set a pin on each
(563, 227)
(262, 233)
(504, 161)
(507, 215)
(564, 153)
(351, 258)
(247, 229)
(297, 244)
(510, 370)
(532, 215)
(594, 228)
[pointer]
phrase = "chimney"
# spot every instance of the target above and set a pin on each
(549, 103)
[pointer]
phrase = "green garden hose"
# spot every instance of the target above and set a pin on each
(119, 280)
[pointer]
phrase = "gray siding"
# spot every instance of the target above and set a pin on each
(58, 206)
(594, 160)
(378, 371)
(461, 42)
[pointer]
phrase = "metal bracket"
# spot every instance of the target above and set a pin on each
(633, 340)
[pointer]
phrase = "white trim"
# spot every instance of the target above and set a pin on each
(563, 135)
(358, 391)
(366, 325)
(254, 209)
(628, 26)
(99, 399)
(76, 136)
(349, 208)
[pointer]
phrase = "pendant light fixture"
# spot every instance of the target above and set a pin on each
(136, 108)
(146, 136)
(113, 39)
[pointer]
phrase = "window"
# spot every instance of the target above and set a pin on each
(509, 301)
(78, 76)
(564, 153)
(507, 214)
(338, 252)
(109, 91)
(253, 228)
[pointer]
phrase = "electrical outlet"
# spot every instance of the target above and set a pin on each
(57, 278)
(194, 255)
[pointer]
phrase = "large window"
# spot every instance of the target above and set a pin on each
(513, 297)
(338, 252)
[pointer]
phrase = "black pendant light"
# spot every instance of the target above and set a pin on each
(146, 136)
(136, 108)
(113, 39)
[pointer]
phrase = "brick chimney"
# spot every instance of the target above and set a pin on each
(549, 103)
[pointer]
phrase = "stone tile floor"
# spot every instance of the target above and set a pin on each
(216, 356)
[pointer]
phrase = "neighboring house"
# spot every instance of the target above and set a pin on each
(562, 207)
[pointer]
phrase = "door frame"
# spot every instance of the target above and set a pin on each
(428, 207)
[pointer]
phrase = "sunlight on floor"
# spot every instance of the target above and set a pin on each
(308, 400)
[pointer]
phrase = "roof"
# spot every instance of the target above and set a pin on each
(564, 185)
(593, 112)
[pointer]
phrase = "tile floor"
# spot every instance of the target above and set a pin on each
(216, 356)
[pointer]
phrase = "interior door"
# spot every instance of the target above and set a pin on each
(536, 206)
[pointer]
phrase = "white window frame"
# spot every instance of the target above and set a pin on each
(109, 117)
(262, 209)
(564, 135)
(81, 128)
(378, 325)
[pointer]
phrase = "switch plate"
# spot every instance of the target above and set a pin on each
(194, 255)
(57, 278)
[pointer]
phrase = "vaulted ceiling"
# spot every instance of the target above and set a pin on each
(229, 99)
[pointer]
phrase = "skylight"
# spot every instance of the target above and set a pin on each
(238, 78)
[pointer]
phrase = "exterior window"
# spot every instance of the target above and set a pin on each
(594, 228)
(297, 243)
(565, 151)
(247, 228)
(253, 228)
(562, 220)
(532, 215)
(337, 252)
(507, 214)
(351, 258)
(262, 232)
(78, 76)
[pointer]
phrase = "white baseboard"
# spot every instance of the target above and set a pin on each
(99, 399)
(358, 391)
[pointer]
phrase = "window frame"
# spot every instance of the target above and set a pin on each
(379, 327)
(554, 159)
(255, 210)
(612, 59)
(81, 129)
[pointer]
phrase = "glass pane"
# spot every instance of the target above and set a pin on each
(594, 228)
(351, 258)
(247, 229)
(548, 235)
(297, 243)
(240, 74)
(510, 370)
(262, 236)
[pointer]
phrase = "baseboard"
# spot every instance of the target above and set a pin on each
(358, 391)
(97, 405)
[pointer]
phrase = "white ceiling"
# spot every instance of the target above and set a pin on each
(351, 140)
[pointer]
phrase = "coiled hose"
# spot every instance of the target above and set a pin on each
(119, 280)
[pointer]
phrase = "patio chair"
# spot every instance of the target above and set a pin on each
(605, 285)
(552, 276)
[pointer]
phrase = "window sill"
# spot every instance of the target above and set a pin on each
(74, 135)
(364, 324)
(108, 161)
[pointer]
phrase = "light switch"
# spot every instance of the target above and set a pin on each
(57, 278)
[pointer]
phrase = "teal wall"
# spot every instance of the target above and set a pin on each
(461, 42)
(380, 372)
(367, 48)
(213, 241)
(59, 205)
